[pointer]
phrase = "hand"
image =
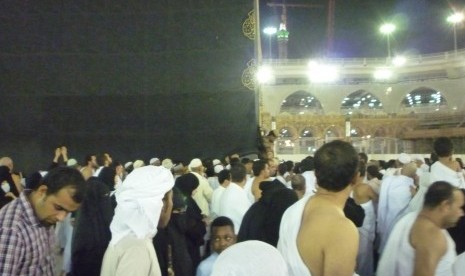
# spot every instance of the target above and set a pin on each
(413, 190)
(64, 153)
(10, 195)
(57, 155)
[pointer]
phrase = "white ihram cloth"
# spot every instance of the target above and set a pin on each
(416, 203)
(310, 182)
(234, 204)
(394, 198)
(367, 236)
(398, 258)
(440, 172)
(459, 265)
(203, 196)
(287, 244)
(254, 258)
(140, 202)
(248, 189)
(216, 199)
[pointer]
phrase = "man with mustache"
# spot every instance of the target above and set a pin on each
(26, 232)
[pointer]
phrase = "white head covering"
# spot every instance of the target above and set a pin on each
(195, 163)
(218, 168)
(154, 160)
(140, 202)
(127, 164)
(254, 258)
(138, 164)
(404, 158)
(167, 163)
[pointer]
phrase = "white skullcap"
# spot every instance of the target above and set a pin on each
(127, 164)
(139, 203)
(167, 163)
(404, 158)
(250, 258)
(153, 160)
(138, 164)
(216, 162)
(419, 158)
(71, 162)
(195, 163)
(218, 168)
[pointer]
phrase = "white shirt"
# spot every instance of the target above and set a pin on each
(394, 198)
(203, 196)
(234, 204)
(216, 199)
(310, 182)
(205, 268)
(441, 172)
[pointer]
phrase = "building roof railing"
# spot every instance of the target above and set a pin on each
(377, 61)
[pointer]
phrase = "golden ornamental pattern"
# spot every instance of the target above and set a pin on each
(248, 27)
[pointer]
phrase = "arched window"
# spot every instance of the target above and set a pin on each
(306, 133)
(301, 102)
(356, 132)
(331, 132)
(360, 101)
(380, 132)
(423, 100)
(285, 132)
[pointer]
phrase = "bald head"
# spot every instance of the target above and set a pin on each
(7, 161)
(409, 169)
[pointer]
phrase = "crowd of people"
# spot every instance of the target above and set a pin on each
(334, 213)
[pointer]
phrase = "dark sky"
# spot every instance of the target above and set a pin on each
(421, 27)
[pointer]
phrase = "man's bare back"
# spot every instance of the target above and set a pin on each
(327, 240)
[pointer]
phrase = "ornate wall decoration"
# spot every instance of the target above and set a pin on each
(248, 27)
(248, 75)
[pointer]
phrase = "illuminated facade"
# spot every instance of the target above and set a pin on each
(382, 105)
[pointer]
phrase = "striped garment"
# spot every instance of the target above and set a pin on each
(25, 244)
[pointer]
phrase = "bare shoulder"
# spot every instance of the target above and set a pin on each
(425, 236)
(328, 243)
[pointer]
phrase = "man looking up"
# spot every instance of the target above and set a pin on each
(25, 233)
(418, 244)
(90, 162)
(222, 237)
(315, 236)
(261, 171)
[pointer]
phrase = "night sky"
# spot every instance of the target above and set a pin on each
(421, 27)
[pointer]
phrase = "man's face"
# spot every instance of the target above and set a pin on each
(108, 158)
(248, 167)
(455, 211)
(53, 208)
(266, 171)
(93, 161)
(272, 168)
(222, 238)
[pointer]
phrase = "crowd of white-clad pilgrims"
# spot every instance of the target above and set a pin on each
(335, 213)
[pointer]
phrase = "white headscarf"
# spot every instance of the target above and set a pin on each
(140, 202)
(254, 258)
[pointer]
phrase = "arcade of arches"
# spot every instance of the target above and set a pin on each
(423, 115)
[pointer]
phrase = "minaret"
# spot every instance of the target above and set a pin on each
(283, 37)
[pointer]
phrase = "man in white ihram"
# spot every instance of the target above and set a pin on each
(419, 243)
